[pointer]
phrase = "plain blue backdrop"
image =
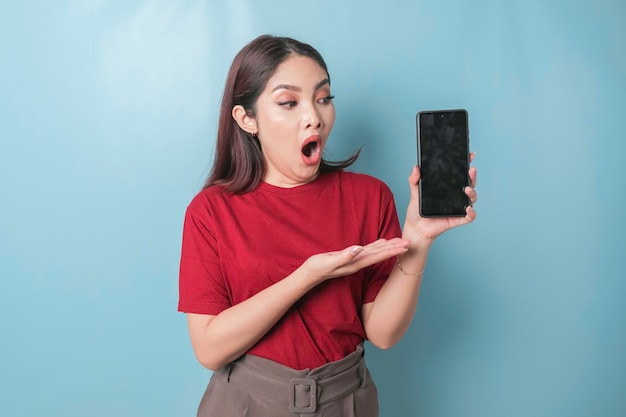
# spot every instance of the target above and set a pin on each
(108, 114)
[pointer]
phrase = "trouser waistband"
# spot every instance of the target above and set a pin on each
(301, 390)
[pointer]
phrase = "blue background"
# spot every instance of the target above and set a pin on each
(108, 114)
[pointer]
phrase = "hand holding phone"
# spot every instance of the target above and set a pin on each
(443, 158)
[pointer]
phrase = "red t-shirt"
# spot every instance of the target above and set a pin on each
(237, 245)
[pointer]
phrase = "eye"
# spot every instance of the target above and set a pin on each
(289, 104)
(326, 100)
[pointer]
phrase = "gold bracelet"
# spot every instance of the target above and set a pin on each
(408, 273)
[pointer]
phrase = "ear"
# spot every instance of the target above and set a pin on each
(246, 122)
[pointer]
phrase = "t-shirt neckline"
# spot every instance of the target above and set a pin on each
(309, 186)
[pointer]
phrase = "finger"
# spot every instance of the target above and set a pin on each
(349, 255)
(379, 254)
(354, 250)
(346, 255)
(472, 156)
(471, 194)
(371, 245)
(348, 262)
(415, 175)
(381, 240)
(383, 244)
(473, 174)
(470, 215)
(414, 179)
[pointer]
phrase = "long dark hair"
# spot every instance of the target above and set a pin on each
(239, 165)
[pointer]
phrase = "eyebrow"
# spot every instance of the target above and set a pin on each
(294, 88)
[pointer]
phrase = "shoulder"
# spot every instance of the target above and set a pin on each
(364, 182)
(204, 202)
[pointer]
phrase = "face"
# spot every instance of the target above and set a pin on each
(294, 117)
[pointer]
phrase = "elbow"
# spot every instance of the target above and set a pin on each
(211, 366)
(384, 343)
(210, 362)
(384, 336)
(385, 346)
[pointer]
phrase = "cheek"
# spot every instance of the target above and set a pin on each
(330, 121)
(269, 123)
(277, 119)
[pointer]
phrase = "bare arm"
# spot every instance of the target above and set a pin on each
(218, 340)
(388, 317)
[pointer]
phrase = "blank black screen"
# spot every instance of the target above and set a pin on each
(444, 162)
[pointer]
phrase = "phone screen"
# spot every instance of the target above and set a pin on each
(443, 158)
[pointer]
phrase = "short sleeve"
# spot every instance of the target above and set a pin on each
(202, 288)
(389, 228)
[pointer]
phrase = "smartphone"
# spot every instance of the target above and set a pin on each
(443, 159)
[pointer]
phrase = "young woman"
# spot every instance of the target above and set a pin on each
(289, 262)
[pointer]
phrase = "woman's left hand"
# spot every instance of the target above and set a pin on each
(429, 228)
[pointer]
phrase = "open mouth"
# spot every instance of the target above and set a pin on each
(312, 150)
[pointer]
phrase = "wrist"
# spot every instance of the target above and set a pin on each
(418, 243)
(308, 276)
(407, 273)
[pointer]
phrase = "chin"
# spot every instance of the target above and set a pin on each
(311, 175)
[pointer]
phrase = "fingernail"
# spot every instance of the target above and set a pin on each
(357, 249)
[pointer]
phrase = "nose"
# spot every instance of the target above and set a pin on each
(312, 118)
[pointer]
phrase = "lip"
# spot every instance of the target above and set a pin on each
(315, 157)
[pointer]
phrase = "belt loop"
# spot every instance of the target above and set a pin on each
(363, 372)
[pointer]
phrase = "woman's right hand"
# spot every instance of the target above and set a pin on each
(328, 265)
(218, 340)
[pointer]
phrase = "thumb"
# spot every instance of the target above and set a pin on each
(354, 250)
(414, 179)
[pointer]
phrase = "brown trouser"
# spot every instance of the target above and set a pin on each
(258, 387)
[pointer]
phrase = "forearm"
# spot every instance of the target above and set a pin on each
(388, 318)
(218, 340)
(234, 331)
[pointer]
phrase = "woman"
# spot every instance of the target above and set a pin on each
(289, 262)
